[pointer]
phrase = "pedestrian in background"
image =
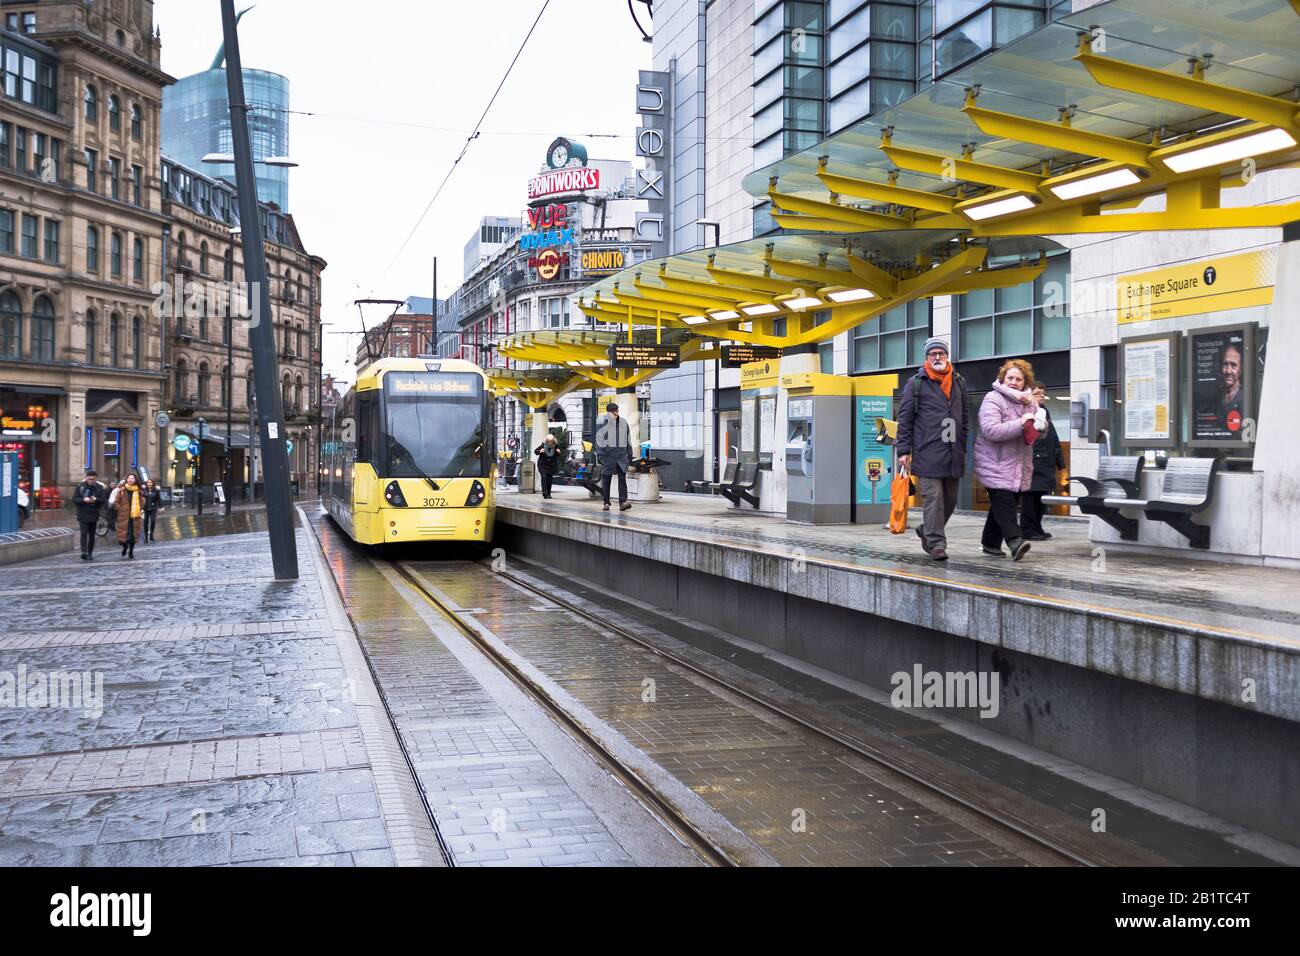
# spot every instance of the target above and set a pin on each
(111, 509)
(152, 506)
(931, 441)
(1004, 455)
(130, 511)
(614, 452)
(1049, 458)
(90, 496)
(548, 462)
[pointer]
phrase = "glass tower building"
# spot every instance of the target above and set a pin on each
(196, 121)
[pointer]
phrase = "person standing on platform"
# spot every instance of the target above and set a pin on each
(614, 452)
(1048, 460)
(1004, 455)
(90, 496)
(548, 462)
(152, 505)
(130, 512)
(931, 441)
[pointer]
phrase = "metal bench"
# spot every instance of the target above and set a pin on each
(711, 487)
(1123, 473)
(742, 486)
(1187, 489)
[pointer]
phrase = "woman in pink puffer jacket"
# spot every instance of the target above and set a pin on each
(1004, 455)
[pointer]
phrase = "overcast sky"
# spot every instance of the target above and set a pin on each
(383, 69)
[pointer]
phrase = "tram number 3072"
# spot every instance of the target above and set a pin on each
(435, 502)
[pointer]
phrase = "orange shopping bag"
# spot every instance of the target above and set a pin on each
(900, 490)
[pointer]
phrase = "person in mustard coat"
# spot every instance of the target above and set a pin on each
(130, 511)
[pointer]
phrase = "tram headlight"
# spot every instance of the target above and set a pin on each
(476, 495)
(393, 495)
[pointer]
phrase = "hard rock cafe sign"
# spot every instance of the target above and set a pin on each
(548, 263)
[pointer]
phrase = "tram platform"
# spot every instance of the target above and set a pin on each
(1182, 676)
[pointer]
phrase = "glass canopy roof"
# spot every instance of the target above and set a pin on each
(1253, 45)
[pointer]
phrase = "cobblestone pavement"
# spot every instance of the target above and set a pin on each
(802, 800)
(493, 769)
(225, 736)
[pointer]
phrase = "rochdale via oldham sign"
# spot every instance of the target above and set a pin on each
(634, 355)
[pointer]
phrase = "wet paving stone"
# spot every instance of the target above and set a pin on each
(224, 734)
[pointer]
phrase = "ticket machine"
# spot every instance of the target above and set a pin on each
(818, 462)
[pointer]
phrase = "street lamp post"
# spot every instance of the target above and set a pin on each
(275, 470)
(228, 472)
(198, 483)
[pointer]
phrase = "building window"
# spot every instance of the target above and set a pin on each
(137, 181)
(92, 170)
(137, 260)
(92, 249)
(115, 254)
(115, 340)
(1031, 317)
(38, 153)
(180, 383)
(228, 270)
(136, 126)
(120, 36)
(6, 231)
(92, 337)
(11, 325)
(203, 384)
(203, 258)
(20, 149)
(92, 105)
(29, 236)
(554, 313)
(893, 339)
(43, 330)
(114, 115)
(51, 240)
(137, 342)
(6, 137)
(203, 318)
(115, 175)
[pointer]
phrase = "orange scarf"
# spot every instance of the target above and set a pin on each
(944, 380)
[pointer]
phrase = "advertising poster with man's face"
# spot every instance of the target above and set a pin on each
(1219, 396)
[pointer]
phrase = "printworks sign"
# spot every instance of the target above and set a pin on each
(567, 173)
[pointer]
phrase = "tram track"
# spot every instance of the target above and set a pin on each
(916, 775)
(656, 802)
(1013, 826)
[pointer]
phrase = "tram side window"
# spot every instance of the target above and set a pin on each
(367, 427)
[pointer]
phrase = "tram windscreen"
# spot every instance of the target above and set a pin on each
(435, 425)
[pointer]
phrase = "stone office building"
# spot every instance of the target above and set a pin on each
(81, 233)
(90, 214)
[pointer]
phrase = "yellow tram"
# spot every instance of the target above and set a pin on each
(409, 453)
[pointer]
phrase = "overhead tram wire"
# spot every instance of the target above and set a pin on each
(464, 149)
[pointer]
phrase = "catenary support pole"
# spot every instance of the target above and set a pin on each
(275, 465)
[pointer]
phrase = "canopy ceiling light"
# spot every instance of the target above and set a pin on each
(998, 207)
(760, 308)
(724, 315)
(1091, 183)
(845, 294)
(797, 303)
(694, 319)
(1222, 148)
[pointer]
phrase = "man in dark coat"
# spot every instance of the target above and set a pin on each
(1048, 459)
(90, 497)
(614, 452)
(931, 443)
(548, 462)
